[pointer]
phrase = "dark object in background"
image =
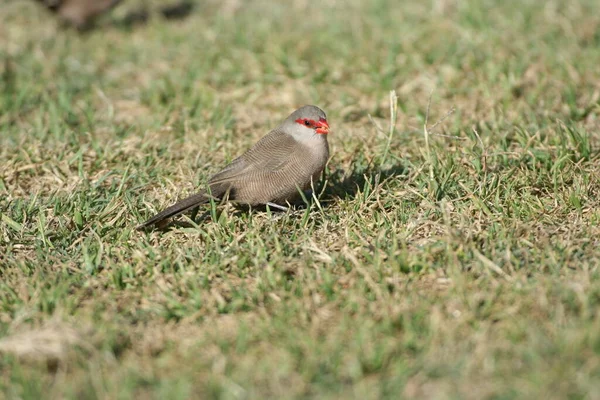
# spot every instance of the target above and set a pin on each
(178, 10)
(79, 13)
(82, 13)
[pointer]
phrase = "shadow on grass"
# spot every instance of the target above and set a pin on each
(344, 185)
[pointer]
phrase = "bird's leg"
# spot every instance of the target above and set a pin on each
(194, 213)
(308, 194)
(277, 206)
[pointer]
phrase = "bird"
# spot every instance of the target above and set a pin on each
(79, 13)
(273, 172)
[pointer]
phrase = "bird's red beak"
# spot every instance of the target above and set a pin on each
(322, 126)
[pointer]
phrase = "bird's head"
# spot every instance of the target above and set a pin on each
(306, 122)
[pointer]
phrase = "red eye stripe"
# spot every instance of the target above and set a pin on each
(320, 127)
(311, 122)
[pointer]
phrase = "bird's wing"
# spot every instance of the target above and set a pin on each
(270, 154)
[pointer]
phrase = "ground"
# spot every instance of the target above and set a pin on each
(452, 250)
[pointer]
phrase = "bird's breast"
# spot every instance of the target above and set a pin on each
(301, 171)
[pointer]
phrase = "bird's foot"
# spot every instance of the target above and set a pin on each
(277, 206)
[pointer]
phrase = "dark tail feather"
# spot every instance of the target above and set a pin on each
(176, 209)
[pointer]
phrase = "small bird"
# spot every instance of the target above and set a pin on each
(273, 172)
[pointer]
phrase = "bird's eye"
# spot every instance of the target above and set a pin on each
(306, 122)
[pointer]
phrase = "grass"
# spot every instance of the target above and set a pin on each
(455, 262)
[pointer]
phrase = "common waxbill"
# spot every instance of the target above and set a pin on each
(272, 172)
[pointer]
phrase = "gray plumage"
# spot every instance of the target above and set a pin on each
(275, 170)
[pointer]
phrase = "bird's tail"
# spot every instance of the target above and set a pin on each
(177, 208)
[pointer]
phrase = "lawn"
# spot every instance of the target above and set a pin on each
(452, 250)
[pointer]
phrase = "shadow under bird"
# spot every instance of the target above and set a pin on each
(273, 172)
